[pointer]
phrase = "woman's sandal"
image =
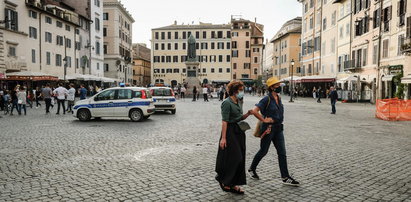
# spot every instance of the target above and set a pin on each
(224, 188)
(236, 190)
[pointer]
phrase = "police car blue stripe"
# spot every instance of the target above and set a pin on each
(107, 105)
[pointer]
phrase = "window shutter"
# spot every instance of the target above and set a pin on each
(389, 13)
(398, 8)
(408, 27)
(405, 6)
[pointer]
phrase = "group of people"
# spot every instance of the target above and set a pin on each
(21, 96)
(230, 164)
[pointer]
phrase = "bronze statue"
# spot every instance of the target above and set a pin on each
(191, 50)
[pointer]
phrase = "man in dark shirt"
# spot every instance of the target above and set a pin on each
(83, 92)
(334, 98)
(47, 93)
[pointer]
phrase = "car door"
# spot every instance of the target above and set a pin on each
(102, 104)
(122, 102)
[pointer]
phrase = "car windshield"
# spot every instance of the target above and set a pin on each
(161, 92)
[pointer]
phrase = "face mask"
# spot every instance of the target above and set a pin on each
(277, 90)
(240, 94)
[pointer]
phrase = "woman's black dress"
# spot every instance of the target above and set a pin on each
(230, 166)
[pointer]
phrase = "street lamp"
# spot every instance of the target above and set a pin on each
(291, 81)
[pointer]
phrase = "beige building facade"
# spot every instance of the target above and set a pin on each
(117, 29)
(286, 48)
(39, 37)
(169, 53)
(247, 49)
(141, 65)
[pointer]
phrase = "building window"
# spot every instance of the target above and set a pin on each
(33, 14)
(12, 51)
(163, 35)
(204, 34)
(235, 53)
(59, 24)
(12, 17)
(385, 48)
(97, 48)
(175, 46)
(48, 20)
(247, 44)
(33, 56)
(234, 65)
(175, 35)
(220, 70)
(401, 41)
(59, 40)
(106, 67)
(33, 32)
(105, 49)
(184, 46)
(247, 53)
(48, 58)
(324, 23)
(58, 60)
(334, 18)
(212, 70)
(228, 58)
(68, 43)
(104, 31)
(97, 24)
(402, 11)
(256, 71)
(156, 35)
(105, 16)
(255, 59)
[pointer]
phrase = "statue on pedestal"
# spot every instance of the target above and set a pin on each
(191, 50)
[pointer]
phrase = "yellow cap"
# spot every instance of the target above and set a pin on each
(271, 81)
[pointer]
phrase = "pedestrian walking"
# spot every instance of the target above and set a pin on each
(230, 165)
(22, 100)
(183, 92)
(2, 103)
(272, 107)
(30, 98)
(194, 93)
(314, 93)
(61, 94)
(205, 93)
(333, 98)
(14, 101)
(37, 95)
(47, 93)
(83, 92)
(319, 94)
(70, 98)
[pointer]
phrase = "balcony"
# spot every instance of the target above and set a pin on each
(351, 65)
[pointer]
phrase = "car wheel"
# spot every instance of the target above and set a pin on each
(173, 111)
(136, 115)
(83, 115)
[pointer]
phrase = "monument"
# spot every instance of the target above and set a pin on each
(192, 65)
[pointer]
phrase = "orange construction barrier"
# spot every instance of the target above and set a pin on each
(393, 110)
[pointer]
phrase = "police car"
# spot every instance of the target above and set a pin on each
(132, 102)
(164, 99)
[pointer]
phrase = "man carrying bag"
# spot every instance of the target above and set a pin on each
(271, 107)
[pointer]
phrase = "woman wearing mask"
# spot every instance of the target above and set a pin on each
(22, 100)
(272, 107)
(230, 165)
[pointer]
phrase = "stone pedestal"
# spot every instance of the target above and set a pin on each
(192, 77)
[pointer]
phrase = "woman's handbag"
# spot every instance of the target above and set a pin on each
(244, 126)
(257, 131)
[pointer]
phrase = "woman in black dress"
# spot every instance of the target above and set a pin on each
(230, 166)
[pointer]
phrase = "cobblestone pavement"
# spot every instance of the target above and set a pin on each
(350, 156)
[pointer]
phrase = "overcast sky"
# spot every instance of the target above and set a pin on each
(150, 14)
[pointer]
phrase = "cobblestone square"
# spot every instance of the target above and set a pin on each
(350, 156)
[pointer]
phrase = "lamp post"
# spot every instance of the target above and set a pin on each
(291, 81)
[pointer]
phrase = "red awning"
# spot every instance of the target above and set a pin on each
(315, 79)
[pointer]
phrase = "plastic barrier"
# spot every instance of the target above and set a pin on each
(393, 110)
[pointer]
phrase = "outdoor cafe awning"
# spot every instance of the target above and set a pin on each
(406, 79)
(31, 76)
(315, 79)
(387, 78)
